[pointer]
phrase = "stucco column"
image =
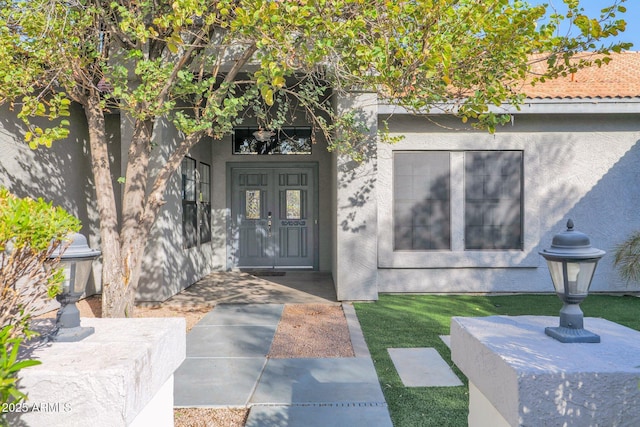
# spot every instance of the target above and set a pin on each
(356, 221)
(519, 376)
(119, 376)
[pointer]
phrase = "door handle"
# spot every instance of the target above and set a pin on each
(269, 223)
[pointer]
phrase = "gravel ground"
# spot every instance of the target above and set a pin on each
(305, 330)
(209, 417)
(311, 330)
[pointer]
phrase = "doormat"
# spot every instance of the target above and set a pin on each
(265, 273)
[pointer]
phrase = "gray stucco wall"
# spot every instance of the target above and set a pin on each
(60, 174)
(583, 167)
(169, 266)
(356, 218)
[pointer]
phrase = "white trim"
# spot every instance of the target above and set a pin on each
(537, 106)
(274, 268)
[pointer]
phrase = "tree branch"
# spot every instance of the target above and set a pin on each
(184, 61)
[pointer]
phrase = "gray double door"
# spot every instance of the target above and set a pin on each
(274, 222)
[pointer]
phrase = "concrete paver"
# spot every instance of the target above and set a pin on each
(216, 382)
(360, 348)
(302, 381)
(243, 315)
(319, 416)
(226, 366)
(423, 367)
(230, 341)
(446, 339)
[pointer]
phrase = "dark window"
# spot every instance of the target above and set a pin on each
(421, 201)
(493, 200)
(290, 140)
(189, 205)
(205, 202)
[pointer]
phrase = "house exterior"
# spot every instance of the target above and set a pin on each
(448, 209)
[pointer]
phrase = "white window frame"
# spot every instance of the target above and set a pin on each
(457, 256)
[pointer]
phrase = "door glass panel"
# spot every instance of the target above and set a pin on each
(293, 204)
(252, 204)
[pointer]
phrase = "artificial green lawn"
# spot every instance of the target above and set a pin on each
(404, 321)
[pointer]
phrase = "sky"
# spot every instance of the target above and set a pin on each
(592, 8)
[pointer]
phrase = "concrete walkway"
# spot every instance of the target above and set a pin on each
(235, 287)
(226, 366)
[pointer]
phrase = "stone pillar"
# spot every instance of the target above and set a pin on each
(518, 376)
(122, 375)
(355, 260)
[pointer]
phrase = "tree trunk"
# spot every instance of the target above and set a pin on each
(123, 248)
(117, 297)
(134, 204)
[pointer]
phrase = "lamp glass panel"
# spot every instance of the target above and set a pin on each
(580, 275)
(68, 272)
(81, 277)
(555, 268)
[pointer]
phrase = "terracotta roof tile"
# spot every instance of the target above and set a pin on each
(618, 79)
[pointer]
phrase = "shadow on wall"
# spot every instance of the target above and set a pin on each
(167, 263)
(606, 209)
(360, 180)
(607, 213)
(169, 267)
(55, 174)
(60, 174)
(357, 226)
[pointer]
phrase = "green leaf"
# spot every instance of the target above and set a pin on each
(278, 81)
(267, 95)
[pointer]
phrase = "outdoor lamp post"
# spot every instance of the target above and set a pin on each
(76, 263)
(572, 261)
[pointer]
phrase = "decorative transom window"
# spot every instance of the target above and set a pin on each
(289, 140)
(492, 200)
